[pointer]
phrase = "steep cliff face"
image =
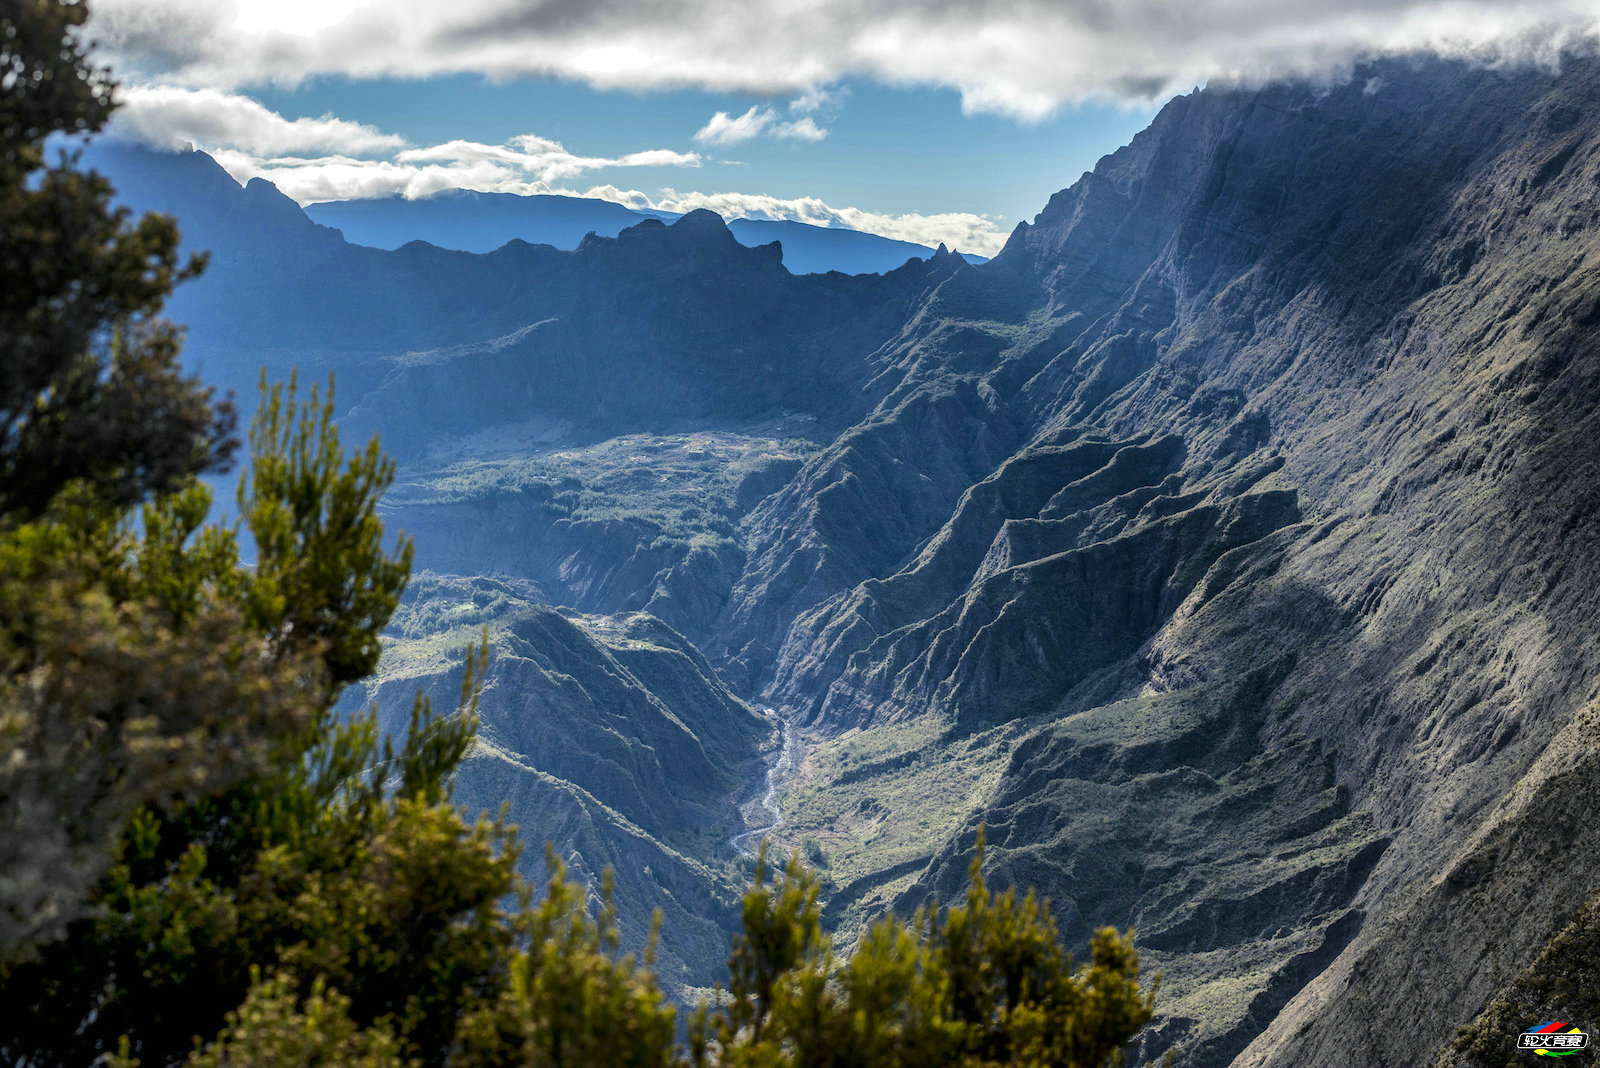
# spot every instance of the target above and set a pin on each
(1280, 681)
(1229, 545)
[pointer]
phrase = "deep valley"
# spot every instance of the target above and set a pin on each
(1228, 545)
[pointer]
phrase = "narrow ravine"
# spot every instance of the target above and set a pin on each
(787, 762)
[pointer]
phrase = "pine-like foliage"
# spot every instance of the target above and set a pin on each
(982, 983)
(107, 700)
(327, 855)
(75, 273)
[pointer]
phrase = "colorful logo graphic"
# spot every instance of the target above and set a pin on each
(1556, 1039)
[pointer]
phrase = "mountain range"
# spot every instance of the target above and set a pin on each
(466, 220)
(472, 221)
(1228, 545)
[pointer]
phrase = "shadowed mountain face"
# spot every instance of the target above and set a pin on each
(1229, 544)
(660, 324)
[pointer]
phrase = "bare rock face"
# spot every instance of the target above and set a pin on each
(1279, 683)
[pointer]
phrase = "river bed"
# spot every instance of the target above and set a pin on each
(765, 806)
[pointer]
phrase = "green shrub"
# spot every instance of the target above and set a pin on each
(985, 982)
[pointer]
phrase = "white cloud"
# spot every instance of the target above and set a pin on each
(652, 157)
(462, 150)
(535, 143)
(423, 172)
(320, 159)
(309, 180)
(628, 198)
(818, 98)
(1020, 57)
(958, 230)
(805, 129)
(542, 157)
(170, 116)
(724, 130)
(312, 180)
(328, 158)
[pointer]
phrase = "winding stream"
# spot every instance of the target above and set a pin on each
(787, 762)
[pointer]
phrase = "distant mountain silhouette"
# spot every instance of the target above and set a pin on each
(628, 333)
(471, 221)
(476, 222)
(814, 249)
(459, 219)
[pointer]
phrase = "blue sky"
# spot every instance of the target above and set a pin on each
(926, 120)
(887, 150)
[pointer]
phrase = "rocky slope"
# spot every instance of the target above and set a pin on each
(1228, 544)
(608, 738)
(1277, 740)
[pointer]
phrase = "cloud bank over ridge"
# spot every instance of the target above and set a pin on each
(184, 62)
(1019, 57)
(310, 180)
(328, 158)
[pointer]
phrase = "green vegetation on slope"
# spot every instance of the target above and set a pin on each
(1151, 809)
(686, 487)
(641, 522)
(879, 803)
(1562, 983)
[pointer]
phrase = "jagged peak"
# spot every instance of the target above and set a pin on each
(698, 235)
(702, 221)
(260, 185)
